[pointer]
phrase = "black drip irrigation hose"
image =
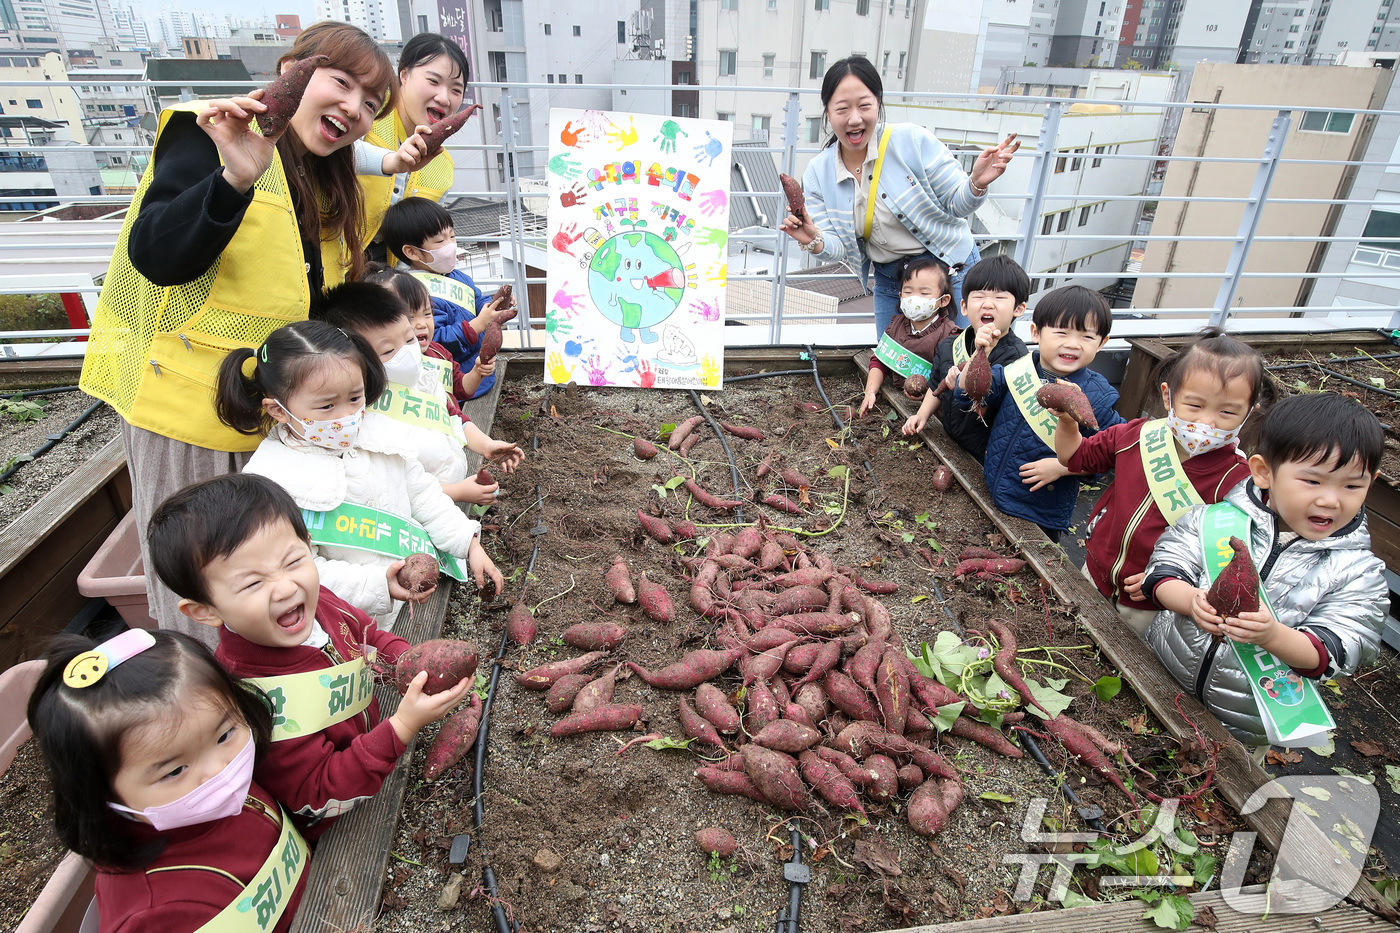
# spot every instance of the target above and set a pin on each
(840, 425)
(733, 467)
(52, 441)
(797, 875)
(752, 376)
(28, 392)
(1341, 359)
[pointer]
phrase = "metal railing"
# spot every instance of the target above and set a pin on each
(523, 236)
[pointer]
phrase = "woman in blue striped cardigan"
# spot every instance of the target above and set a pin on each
(924, 198)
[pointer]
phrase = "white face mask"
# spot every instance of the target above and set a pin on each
(219, 797)
(332, 433)
(919, 308)
(444, 258)
(405, 366)
(1196, 438)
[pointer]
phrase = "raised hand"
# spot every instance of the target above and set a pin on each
(565, 166)
(559, 374)
(410, 155)
(565, 238)
(245, 154)
(992, 161)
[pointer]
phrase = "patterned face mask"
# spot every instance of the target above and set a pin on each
(919, 308)
(1196, 438)
(332, 434)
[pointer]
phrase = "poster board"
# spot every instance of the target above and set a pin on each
(637, 237)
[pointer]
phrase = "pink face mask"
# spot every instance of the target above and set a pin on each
(217, 798)
(444, 258)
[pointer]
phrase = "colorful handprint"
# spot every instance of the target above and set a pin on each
(710, 149)
(646, 375)
(568, 303)
(712, 202)
(597, 371)
(556, 322)
(565, 166)
(572, 196)
(565, 238)
(719, 272)
(709, 371)
(667, 136)
(573, 137)
(712, 236)
(559, 374)
(624, 138)
(706, 310)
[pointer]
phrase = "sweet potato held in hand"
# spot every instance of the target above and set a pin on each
(915, 387)
(439, 132)
(1068, 398)
(446, 660)
(491, 342)
(978, 380)
(1236, 590)
(283, 96)
(797, 203)
(419, 573)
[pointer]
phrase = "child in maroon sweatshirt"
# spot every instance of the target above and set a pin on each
(235, 549)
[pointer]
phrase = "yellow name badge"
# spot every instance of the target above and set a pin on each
(440, 286)
(1166, 477)
(1022, 381)
(263, 900)
(316, 700)
(443, 368)
(402, 404)
(960, 354)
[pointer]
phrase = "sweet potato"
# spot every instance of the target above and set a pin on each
(762, 706)
(932, 804)
(829, 783)
(847, 696)
(562, 694)
(594, 636)
(1236, 589)
(710, 500)
(747, 542)
(491, 342)
(613, 717)
(484, 477)
(776, 775)
(440, 131)
(977, 553)
(283, 96)
(696, 726)
(742, 430)
(1004, 663)
(817, 623)
(983, 734)
(597, 692)
(446, 660)
(809, 576)
(910, 776)
(770, 556)
(502, 300)
(764, 665)
(785, 735)
(865, 738)
(690, 671)
(1067, 398)
(827, 658)
(861, 666)
(932, 694)
(878, 587)
(654, 600)
(682, 431)
(735, 783)
(977, 381)
(798, 714)
(643, 449)
(970, 566)
(520, 625)
(795, 479)
(792, 190)
(780, 502)
(1071, 735)
(419, 573)
(685, 530)
(770, 638)
(688, 443)
(892, 692)
(454, 739)
(656, 528)
(544, 676)
(942, 479)
(886, 783)
(799, 599)
(877, 619)
(781, 692)
(711, 703)
(812, 698)
(799, 658)
(716, 841)
(915, 387)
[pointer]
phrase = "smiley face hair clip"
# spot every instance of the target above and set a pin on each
(90, 666)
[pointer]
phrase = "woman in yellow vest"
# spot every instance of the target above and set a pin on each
(230, 236)
(433, 75)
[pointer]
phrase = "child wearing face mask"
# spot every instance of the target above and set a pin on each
(924, 320)
(150, 746)
(416, 396)
(419, 232)
(1162, 467)
(368, 500)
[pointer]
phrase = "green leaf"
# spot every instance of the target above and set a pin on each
(667, 742)
(1325, 751)
(674, 481)
(1049, 696)
(525, 416)
(666, 430)
(907, 537)
(837, 472)
(934, 545)
(947, 715)
(660, 491)
(999, 798)
(918, 599)
(1392, 777)
(1075, 899)
(1173, 912)
(1203, 867)
(921, 518)
(1366, 778)
(1378, 382)
(1107, 687)
(892, 416)
(479, 510)
(1142, 862)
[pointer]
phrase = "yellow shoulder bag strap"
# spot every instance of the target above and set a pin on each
(874, 191)
(263, 900)
(1166, 477)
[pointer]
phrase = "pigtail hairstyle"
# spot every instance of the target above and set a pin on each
(1221, 355)
(413, 292)
(283, 362)
(330, 203)
(80, 733)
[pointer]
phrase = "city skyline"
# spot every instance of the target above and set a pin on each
(151, 9)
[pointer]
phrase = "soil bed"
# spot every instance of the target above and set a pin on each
(18, 438)
(582, 839)
(29, 849)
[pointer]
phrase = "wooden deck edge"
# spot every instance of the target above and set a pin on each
(1126, 917)
(1237, 776)
(23, 534)
(346, 882)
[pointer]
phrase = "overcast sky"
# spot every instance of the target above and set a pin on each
(242, 8)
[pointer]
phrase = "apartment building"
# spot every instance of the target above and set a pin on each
(375, 17)
(966, 45)
(1321, 131)
(58, 104)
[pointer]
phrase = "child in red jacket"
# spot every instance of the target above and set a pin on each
(1163, 467)
(236, 551)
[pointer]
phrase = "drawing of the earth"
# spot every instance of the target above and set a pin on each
(636, 280)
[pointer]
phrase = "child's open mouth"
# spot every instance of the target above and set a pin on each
(332, 128)
(987, 317)
(293, 619)
(1320, 522)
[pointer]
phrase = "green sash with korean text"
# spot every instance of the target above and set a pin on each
(261, 903)
(1290, 706)
(960, 354)
(900, 359)
(443, 369)
(1022, 381)
(313, 701)
(440, 286)
(405, 405)
(1166, 477)
(365, 529)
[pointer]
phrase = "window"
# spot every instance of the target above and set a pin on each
(501, 167)
(1295, 28)
(548, 30)
(563, 79)
(621, 32)
(1083, 216)
(726, 117)
(683, 77)
(826, 5)
(814, 129)
(726, 62)
(772, 4)
(885, 66)
(759, 128)
(578, 79)
(1101, 8)
(1076, 163)
(496, 109)
(1035, 286)
(818, 68)
(862, 7)
(422, 22)
(1062, 224)
(1322, 121)
(687, 110)
(33, 103)
(1072, 266)
(768, 61)
(1046, 223)
(1059, 164)
(1289, 44)
(729, 4)
(549, 78)
(900, 73)
(1098, 151)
